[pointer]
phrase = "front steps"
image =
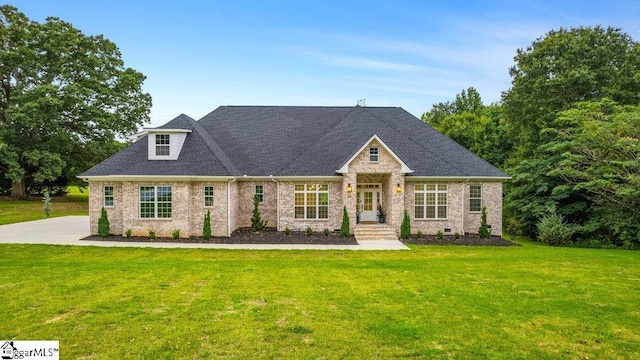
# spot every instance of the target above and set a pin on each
(374, 232)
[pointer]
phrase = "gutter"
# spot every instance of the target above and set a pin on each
(277, 202)
(229, 206)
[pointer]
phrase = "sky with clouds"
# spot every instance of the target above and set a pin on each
(198, 55)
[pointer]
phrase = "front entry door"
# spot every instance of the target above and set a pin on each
(368, 205)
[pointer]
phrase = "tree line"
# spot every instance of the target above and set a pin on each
(567, 132)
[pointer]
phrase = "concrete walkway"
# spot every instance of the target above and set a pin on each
(67, 230)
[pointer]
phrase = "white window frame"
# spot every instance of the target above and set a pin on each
(155, 202)
(105, 196)
(208, 196)
(260, 194)
(438, 190)
(374, 157)
(163, 141)
(311, 189)
(475, 198)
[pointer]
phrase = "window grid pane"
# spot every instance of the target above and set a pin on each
(260, 193)
(373, 154)
(155, 202)
(475, 197)
(430, 201)
(311, 201)
(208, 196)
(108, 196)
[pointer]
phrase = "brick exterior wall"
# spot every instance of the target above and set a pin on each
(287, 208)
(268, 209)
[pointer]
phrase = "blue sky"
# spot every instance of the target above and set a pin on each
(198, 55)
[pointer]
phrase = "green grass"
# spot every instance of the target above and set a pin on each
(14, 211)
(528, 302)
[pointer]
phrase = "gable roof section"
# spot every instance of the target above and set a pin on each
(299, 141)
(345, 167)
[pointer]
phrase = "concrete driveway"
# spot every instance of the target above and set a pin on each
(68, 230)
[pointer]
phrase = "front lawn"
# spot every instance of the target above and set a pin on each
(526, 301)
(14, 211)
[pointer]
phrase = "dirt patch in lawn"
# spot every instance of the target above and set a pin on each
(246, 236)
(468, 239)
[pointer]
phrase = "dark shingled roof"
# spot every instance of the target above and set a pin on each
(297, 141)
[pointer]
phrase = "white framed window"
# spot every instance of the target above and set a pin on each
(430, 201)
(475, 198)
(260, 193)
(107, 192)
(374, 154)
(208, 196)
(155, 202)
(311, 201)
(162, 144)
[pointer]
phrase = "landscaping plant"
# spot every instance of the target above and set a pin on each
(206, 228)
(104, 228)
(256, 220)
(152, 234)
(439, 235)
(419, 234)
(127, 233)
(484, 232)
(309, 231)
(344, 228)
(553, 230)
(325, 232)
(46, 199)
(175, 235)
(405, 228)
(287, 231)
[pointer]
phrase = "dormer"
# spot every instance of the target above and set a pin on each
(165, 144)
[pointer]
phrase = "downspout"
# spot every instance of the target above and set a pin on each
(277, 202)
(229, 206)
(464, 195)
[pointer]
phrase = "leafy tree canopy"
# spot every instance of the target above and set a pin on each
(64, 99)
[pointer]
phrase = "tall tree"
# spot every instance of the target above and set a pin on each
(63, 95)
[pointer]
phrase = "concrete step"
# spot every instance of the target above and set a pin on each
(374, 232)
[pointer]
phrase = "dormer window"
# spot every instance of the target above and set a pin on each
(373, 154)
(162, 144)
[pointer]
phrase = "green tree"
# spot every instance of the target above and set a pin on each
(206, 227)
(405, 227)
(256, 220)
(484, 231)
(104, 228)
(344, 227)
(64, 98)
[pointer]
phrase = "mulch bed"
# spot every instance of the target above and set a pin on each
(245, 236)
(468, 239)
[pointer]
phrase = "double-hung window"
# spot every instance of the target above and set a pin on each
(311, 201)
(260, 193)
(208, 196)
(430, 201)
(162, 144)
(155, 202)
(475, 198)
(374, 155)
(108, 195)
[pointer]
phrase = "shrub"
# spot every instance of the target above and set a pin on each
(484, 232)
(104, 228)
(553, 230)
(206, 228)
(456, 235)
(325, 232)
(175, 234)
(439, 235)
(309, 231)
(152, 234)
(405, 228)
(46, 199)
(419, 234)
(256, 220)
(287, 231)
(128, 233)
(344, 228)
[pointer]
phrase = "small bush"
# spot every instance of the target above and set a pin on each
(553, 230)
(309, 231)
(484, 232)
(287, 231)
(104, 228)
(128, 233)
(419, 234)
(175, 234)
(46, 199)
(405, 228)
(325, 232)
(206, 228)
(152, 234)
(456, 235)
(256, 220)
(439, 235)
(344, 228)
